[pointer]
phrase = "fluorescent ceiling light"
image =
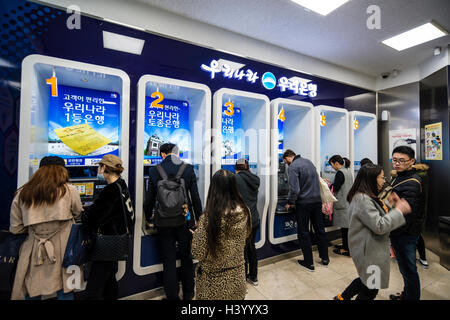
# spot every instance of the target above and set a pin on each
(414, 37)
(322, 7)
(231, 64)
(123, 24)
(123, 43)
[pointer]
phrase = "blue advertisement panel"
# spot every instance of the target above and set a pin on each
(231, 136)
(166, 122)
(83, 125)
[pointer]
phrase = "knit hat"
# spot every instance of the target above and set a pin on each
(111, 160)
(45, 161)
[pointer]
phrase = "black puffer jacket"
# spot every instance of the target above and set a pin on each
(411, 191)
(248, 185)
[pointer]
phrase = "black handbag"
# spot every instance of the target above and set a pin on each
(112, 247)
(10, 245)
(78, 246)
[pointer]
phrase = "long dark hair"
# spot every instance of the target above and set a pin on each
(342, 161)
(366, 181)
(46, 185)
(223, 198)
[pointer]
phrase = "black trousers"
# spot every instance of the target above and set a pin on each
(421, 248)
(102, 283)
(168, 238)
(305, 213)
(251, 259)
(344, 232)
(358, 288)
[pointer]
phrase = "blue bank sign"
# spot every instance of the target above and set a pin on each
(296, 85)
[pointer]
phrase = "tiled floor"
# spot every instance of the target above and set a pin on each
(286, 280)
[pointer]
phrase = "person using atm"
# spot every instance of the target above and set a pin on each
(175, 219)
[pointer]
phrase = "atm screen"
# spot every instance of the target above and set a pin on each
(83, 125)
(166, 122)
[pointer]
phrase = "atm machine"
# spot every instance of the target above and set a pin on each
(241, 128)
(76, 111)
(292, 127)
(178, 112)
(333, 138)
(363, 138)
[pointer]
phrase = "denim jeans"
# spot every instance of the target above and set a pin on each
(405, 247)
(60, 295)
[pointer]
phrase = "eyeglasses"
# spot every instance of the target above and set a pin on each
(400, 161)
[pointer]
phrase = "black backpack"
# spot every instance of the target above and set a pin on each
(171, 193)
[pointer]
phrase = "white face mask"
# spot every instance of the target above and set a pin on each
(100, 177)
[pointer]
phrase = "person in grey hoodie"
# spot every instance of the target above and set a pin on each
(248, 185)
(368, 236)
(304, 193)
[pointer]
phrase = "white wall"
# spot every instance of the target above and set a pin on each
(416, 73)
(165, 23)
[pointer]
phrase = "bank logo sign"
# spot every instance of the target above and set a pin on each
(234, 70)
(269, 81)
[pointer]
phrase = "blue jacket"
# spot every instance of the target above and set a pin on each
(304, 186)
(190, 180)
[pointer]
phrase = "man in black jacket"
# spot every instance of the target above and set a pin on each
(248, 185)
(407, 185)
(304, 193)
(175, 229)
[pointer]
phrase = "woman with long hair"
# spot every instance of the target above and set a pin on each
(341, 185)
(370, 224)
(106, 216)
(45, 208)
(219, 242)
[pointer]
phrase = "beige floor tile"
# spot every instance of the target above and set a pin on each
(311, 295)
(280, 284)
(254, 294)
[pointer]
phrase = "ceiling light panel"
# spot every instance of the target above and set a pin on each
(322, 7)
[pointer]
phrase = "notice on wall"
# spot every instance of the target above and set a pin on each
(403, 137)
(433, 141)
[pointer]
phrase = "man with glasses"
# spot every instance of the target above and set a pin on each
(407, 185)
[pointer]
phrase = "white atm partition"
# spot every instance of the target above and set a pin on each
(241, 130)
(77, 111)
(292, 127)
(178, 112)
(363, 138)
(333, 136)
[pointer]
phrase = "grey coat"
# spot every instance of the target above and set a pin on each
(341, 217)
(368, 238)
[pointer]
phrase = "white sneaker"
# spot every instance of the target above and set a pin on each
(424, 263)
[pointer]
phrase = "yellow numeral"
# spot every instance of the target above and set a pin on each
(230, 109)
(356, 124)
(323, 121)
(53, 82)
(281, 115)
(156, 101)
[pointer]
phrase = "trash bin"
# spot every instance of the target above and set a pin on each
(444, 241)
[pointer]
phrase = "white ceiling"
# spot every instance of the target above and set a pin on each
(341, 38)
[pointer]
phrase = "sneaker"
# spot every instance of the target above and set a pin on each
(338, 297)
(424, 263)
(397, 296)
(325, 262)
(252, 281)
(308, 267)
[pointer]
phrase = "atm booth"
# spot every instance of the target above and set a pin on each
(333, 138)
(293, 127)
(363, 138)
(178, 112)
(76, 111)
(241, 126)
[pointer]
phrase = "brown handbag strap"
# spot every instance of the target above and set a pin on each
(410, 179)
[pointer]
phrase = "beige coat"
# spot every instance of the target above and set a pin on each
(39, 270)
(223, 277)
